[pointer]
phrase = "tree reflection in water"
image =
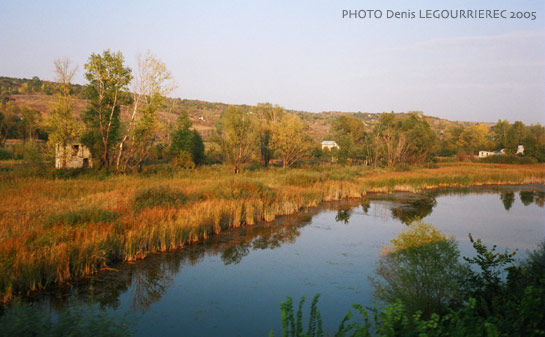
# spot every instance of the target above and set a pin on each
(343, 215)
(147, 280)
(414, 208)
(268, 236)
(507, 198)
(539, 198)
(526, 197)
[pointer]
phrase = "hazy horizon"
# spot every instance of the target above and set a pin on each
(303, 55)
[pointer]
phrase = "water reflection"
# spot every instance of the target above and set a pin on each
(539, 198)
(526, 197)
(343, 215)
(146, 281)
(412, 210)
(507, 198)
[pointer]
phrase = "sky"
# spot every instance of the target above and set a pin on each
(301, 54)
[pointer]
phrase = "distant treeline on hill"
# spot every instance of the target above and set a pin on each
(147, 127)
(12, 86)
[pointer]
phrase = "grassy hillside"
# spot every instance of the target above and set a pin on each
(38, 95)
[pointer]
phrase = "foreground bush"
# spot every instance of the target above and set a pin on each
(422, 269)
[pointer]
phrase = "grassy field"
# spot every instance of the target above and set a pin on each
(52, 230)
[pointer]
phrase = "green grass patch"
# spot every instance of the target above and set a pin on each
(160, 196)
(234, 189)
(302, 178)
(81, 217)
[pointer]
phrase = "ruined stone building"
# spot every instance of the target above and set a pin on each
(72, 156)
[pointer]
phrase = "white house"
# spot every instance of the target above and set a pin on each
(484, 154)
(329, 144)
(520, 150)
(72, 156)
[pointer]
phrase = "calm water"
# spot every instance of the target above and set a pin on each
(233, 284)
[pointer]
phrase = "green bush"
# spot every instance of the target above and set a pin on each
(5, 155)
(421, 269)
(160, 196)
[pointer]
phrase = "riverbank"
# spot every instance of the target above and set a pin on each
(55, 230)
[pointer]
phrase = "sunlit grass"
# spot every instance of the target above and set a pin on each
(54, 230)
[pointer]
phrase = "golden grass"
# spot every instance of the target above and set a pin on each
(36, 251)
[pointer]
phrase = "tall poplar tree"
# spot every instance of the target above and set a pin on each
(107, 91)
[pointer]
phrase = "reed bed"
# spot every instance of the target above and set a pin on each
(54, 230)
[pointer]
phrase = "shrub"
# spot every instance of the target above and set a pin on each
(421, 269)
(184, 160)
(5, 155)
(161, 196)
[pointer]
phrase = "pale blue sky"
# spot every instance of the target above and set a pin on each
(300, 54)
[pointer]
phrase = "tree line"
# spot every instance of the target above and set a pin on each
(122, 127)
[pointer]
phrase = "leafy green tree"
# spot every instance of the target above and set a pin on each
(500, 133)
(61, 124)
(290, 140)
(421, 139)
(197, 148)
(348, 132)
(36, 84)
(268, 117)
(348, 125)
(144, 133)
(30, 122)
(392, 144)
(186, 141)
(514, 137)
(107, 90)
(449, 139)
(534, 142)
(473, 138)
(235, 134)
(151, 83)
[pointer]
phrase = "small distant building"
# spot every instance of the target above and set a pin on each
(520, 150)
(484, 154)
(329, 144)
(201, 118)
(72, 156)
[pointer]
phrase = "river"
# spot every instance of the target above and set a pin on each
(232, 284)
